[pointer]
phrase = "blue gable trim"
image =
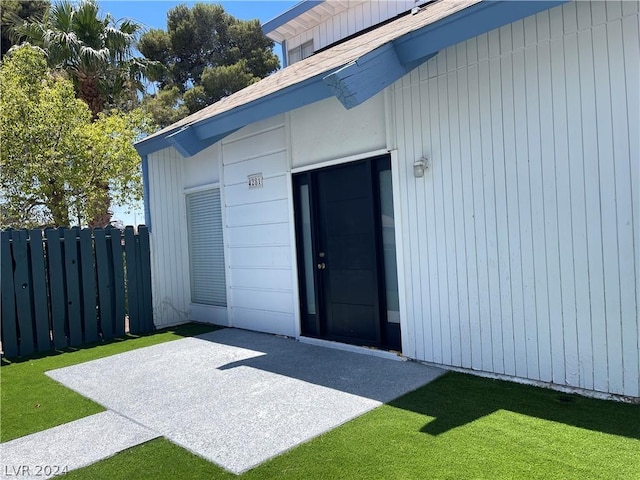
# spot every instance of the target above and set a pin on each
(466, 24)
(290, 14)
(150, 145)
(290, 98)
(145, 191)
(188, 144)
(360, 80)
(357, 81)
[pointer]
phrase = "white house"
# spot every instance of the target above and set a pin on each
(456, 180)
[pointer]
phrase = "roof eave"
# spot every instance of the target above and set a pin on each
(295, 11)
(357, 81)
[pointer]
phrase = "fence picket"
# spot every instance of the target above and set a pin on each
(74, 313)
(8, 322)
(104, 283)
(22, 285)
(133, 292)
(145, 277)
(69, 286)
(56, 287)
(88, 269)
(118, 281)
(40, 297)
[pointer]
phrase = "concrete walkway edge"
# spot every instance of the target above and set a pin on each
(70, 446)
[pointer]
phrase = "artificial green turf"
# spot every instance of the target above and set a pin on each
(30, 401)
(457, 427)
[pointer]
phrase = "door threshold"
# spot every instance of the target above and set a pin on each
(389, 355)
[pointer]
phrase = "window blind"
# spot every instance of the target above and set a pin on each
(206, 248)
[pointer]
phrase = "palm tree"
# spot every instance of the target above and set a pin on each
(97, 53)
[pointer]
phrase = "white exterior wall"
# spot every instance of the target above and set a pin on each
(522, 241)
(171, 289)
(521, 244)
(170, 175)
(350, 21)
(325, 131)
(260, 275)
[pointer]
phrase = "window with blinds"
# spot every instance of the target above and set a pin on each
(206, 248)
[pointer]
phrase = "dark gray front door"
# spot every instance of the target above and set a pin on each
(347, 240)
(340, 254)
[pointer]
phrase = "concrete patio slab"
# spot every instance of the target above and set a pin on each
(70, 446)
(238, 398)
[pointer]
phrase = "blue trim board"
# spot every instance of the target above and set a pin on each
(145, 191)
(295, 11)
(153, 144)
(357, 81)
(466, 24)
(285, 100)
(285, 54)
(188, 144)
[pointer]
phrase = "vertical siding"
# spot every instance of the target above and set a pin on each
(169, 175)
(350, 21)
(169, 247)
(258, 230)
(521, 242)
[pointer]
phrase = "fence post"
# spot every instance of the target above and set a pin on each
(74, 312)
(118, 281)
(145, 277)
(56, 287)
(22, 284)
(40, 297)
(133, 290)
(8, 321)
(88, 269)
(104, 283)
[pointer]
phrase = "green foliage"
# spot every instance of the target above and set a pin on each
(166, 107)
(16, 11)
(206, 54)
(96, 52)
(53, 153)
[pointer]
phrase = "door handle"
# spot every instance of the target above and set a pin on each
(322, 266)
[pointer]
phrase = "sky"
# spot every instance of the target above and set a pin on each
(153, 14)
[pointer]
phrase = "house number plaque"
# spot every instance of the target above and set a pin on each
(255, 180)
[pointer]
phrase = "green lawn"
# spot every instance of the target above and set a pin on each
(458, 427)
(30, 401)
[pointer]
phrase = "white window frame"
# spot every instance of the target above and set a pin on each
(300, 52)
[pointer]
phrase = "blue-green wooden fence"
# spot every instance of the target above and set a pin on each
(66, 287)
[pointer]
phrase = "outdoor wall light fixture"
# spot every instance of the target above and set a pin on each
(419, 166)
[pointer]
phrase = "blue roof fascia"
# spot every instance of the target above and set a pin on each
(360, 80)
(357, 81)
(153, 144)
(295, 96)
(290, 14)
(466, 24)
(187, 143)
